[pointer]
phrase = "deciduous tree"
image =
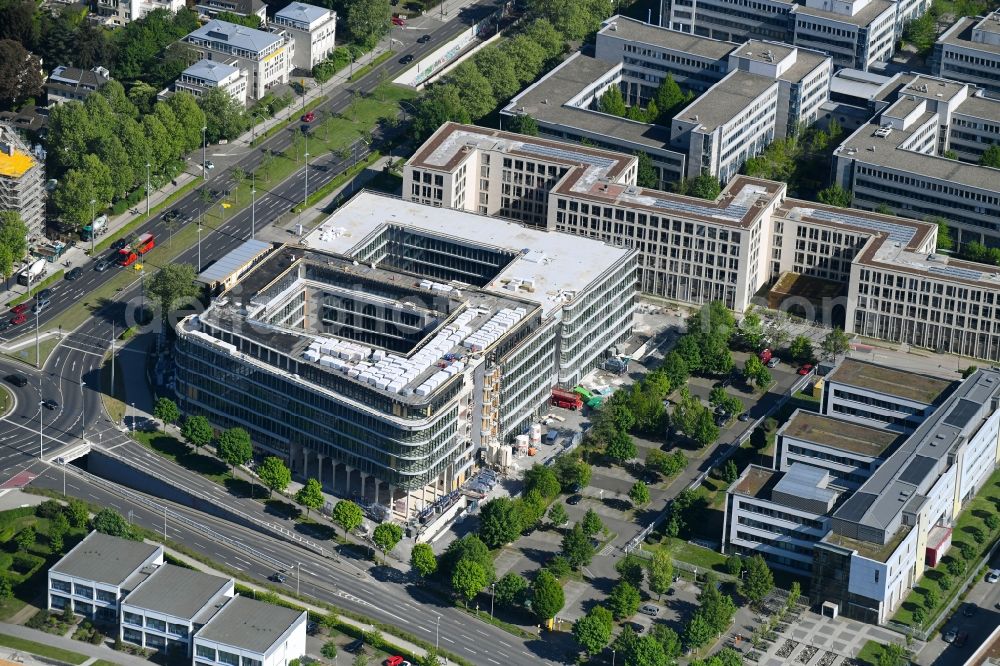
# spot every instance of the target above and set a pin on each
(577, 547)
(759, 580)
(310, 495)
(510, 589)
(639, 493)
(661, 572)
(469, 578)
(172, 284)
(835, 343)
(547, 596)
(499, 522)
(386, 536)
(197, 431)
(593, 631)
(423, 560)
(624, 600)
(348, 515)
(234, 447)
(630, 569)
(591, 523)
(274, 474)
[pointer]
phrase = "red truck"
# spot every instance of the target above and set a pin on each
(566, 399)
(129, 254)
(765, 356)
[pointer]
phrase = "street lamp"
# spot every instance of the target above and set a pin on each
(253, 204)
(356, 161)
(147, 189)
(199, 245)
(305, 200)
(437, 634)
(493, 588)
(204, 153)
(41, 406)
(133, 418)
(93, 231)
(298, 576)
(612, 657)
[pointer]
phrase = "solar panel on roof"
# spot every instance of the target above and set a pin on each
(962, 413)
(956, 272)
(734, 213)
(917, 470)
(897, 233)
(569, 155)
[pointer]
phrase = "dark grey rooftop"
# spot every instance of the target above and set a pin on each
(726, 100)
(105, 559)
(250, 625)
(916, 464)
(960, 34)
(177, 591)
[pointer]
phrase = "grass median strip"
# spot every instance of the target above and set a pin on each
(370, 66)
(52, 279)
(42, 650)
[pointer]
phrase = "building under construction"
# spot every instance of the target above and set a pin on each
(21, 180)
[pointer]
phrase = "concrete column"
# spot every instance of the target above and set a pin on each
(305, 463)
(319, 468)
(407, 510)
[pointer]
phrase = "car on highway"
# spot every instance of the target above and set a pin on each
(806, 369)
(50, 404)
(406, 60)
(277, 577)
(40, 306)
(209, 165)
(44, 295)
(308, 117)
(424, 39)
(18, 320)
(4, 324)
(574, 499)
(102, 265)
(74, 274)
(119, 244)
(17, 380)
(18, 309)
(398, 20)
(950, 635)
(993, 576)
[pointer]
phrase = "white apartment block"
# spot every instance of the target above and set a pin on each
(97, 573)
(880, 397)
(247, 632)
(266, 56)
(120, 12)
(212, 8)
(897, 159)
(732, 122)
(313, 29)
(637, 58)
(969, 51)
(204, 75)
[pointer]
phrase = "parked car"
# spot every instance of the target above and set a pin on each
(308, 117)
(950, 635)
(574, 499)
(74, 274)
(960, 640)
(650, 610)
(354, 646)
(745, 416)
(424, 39)
(398, 20)
(17, 380)
(773, 363)
(806, 369)
(396, 660)
(993, 576)
(406, 60)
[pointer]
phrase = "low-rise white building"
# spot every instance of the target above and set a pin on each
(120, 12)
(97, 573)
(969, 51)
(313, 29)
(266, 56)
(251, 633)
(164, 611)
(204, 75)
(858, 34)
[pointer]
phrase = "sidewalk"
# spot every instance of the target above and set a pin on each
(95, 652)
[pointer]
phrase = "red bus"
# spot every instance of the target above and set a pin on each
(129, 255)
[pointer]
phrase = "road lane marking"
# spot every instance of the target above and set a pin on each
(82, 351)
(493, 660)
(482, 633)
(445, 638)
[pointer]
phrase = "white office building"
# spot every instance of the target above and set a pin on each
(120, 12)
(204, 75)
(97, 573)
(313, 29)
(267, 57)
(969, 51)
(247, 632)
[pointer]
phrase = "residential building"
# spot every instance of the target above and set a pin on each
(72, 83)
(313, 29)
(865, 510)
(898, 159)
(881, 397)
(120, 12)
(404, 340)
(204, 75)
(22, 178)
(97, 573)
(212, 8)
(266, 56)
(247, 632)
(969, 51)
(784, 88)
(172, 604)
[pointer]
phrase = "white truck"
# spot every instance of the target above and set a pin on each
(32, 273)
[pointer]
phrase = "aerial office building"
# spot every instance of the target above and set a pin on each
(901, 159)
(313, 29)
(204, 75)
(969, 51)
(750, 94)
(267, 57)
(120, 12)
(864, 510)
(402, 340)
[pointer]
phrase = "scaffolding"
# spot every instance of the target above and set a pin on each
(21, 180)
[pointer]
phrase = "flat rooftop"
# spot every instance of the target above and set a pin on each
(632, 30)
(757, 482)
(561, 265)
(806, 60)
(249, 625)
(236, 36)
(548, 101)
(960, 34)
(726, 100)
(863, 18)
(900, 383)
(104, 558)
(868, 549)
(177, 591)
(839, 433)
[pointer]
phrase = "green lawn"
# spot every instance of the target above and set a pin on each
(103, 662)
(679, 549)
(869, 653)
(985, 503)
(42, 650)
(114, 400)
(27, 355)
(184, 455)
